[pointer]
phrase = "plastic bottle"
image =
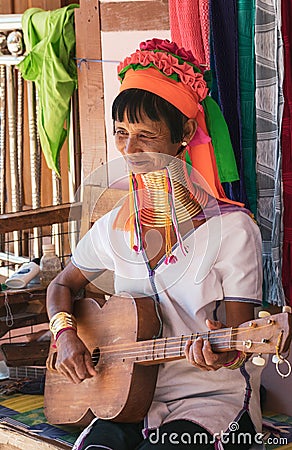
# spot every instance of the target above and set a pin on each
(4, 371)
(50, 265)
(23, 276)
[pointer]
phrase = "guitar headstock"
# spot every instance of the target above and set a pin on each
(270, 334)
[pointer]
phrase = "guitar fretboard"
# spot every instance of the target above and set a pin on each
(155, 351)
(26, 372)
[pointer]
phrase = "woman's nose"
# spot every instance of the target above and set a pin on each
(131, 145)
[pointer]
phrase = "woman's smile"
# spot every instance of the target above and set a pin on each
(146, 145)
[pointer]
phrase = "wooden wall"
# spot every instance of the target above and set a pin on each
(18, 7)
(94, 21)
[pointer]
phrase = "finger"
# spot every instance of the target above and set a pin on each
(196, 351)
(194, 354)
(214, 324)
(81, 367)
(69, 373)
(73, 368)
(89, 365)
(187, 350)
(212, 359)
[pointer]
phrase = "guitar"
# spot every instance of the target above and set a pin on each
(121, 339)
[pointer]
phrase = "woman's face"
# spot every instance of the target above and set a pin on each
(146, 145)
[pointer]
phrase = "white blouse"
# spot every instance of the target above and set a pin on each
(223, 263)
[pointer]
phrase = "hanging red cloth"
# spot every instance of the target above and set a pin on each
(189, 25)
(287, 150)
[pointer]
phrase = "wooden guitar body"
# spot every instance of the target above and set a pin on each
(122, 390)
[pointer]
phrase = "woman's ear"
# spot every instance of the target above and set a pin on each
(190, 128)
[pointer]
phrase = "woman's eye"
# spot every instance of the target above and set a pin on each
(121, 133)
(145, 136)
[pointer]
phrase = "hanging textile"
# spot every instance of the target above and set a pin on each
(246, 59)
(269, 108)
(189, 25)
(49, 38)
(287, 149)
(224, 45)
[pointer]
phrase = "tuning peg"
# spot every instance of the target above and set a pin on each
(258, 360)
(263, 314)
(287, 309)
(276, 359)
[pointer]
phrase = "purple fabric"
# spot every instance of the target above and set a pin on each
(216, 207)
(224, 45)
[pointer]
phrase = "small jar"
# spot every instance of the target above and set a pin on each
(50, 265)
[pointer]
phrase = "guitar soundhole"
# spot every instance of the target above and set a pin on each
(95, 356)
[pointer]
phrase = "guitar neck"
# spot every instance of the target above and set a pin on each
(265, 335)
(156, 351)
(22, 372)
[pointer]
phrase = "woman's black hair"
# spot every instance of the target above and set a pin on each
(137, 102)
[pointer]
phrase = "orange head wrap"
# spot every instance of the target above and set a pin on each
(170, 72)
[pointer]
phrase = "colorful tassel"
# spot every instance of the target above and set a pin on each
(168, 245)
(173, 214)
(135, 216)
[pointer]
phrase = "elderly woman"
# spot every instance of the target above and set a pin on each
(178, 239)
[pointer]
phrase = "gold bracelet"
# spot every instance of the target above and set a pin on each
(237, 362)
(62, 320)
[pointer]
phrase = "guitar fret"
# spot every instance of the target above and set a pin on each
(164, 349)
(153, 348)
(181, 345)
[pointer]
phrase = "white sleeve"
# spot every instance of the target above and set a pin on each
(92, 253)
(239, 261)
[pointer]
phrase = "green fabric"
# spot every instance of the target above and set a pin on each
(246, 19)
(218, 130)
(49, 37)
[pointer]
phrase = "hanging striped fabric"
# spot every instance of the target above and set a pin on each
(269, 108)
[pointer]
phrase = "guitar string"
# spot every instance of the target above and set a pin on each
(174, 340)
(161, 342)
(176, 351)
(144, 355)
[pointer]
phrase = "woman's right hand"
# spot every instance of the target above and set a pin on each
(73, 358)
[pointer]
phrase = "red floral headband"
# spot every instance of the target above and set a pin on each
(173, 62)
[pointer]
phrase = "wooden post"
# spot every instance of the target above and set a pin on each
(35, 162)
(91, 96)
(90, 82)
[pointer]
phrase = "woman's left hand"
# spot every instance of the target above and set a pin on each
(200, 355)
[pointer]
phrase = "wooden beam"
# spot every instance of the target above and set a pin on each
(48, 215)
(136, 15)
(15, 296)
(90, 87)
